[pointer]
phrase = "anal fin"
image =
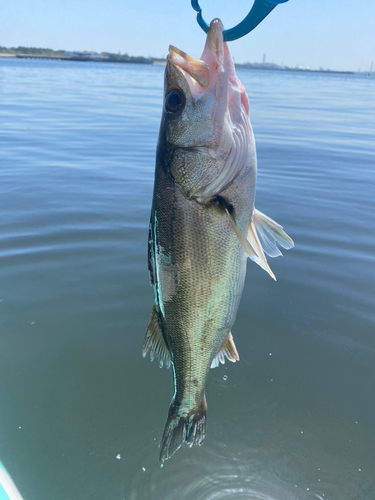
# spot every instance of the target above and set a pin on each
(228, 350)
(154, 342)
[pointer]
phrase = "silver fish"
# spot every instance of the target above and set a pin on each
(203, 227)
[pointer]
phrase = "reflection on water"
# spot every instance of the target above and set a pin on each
(289, 450)
(82, 414)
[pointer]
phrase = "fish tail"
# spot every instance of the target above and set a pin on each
(187, 427)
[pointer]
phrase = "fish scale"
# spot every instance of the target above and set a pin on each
(202, 228)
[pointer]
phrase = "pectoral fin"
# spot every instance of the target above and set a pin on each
(262, 237)
(228, 350)
(246, 245)
(251, 246)
(154, 342)
(264, 234)
(270, 234)
(259, 258)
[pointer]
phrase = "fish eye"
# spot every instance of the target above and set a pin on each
(174, 101)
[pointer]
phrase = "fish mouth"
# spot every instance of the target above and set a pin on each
(195, 68)
(199, 73)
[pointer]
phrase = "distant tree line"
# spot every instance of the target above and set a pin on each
(85, 55)
(32, 50)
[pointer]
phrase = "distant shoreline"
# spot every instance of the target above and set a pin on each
(112, 58)
(134, 60)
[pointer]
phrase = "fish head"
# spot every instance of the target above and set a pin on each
(205, 120)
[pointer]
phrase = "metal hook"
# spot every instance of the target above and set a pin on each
(258, 12)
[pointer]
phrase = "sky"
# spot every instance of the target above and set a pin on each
(334, 34)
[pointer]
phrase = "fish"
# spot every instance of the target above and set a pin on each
(203, 227)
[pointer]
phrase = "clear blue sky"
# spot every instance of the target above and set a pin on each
(336, 34)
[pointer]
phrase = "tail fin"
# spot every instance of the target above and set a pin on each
(189, 428)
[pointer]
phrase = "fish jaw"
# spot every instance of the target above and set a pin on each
(204, 74)
(213, 72)
(217, 56)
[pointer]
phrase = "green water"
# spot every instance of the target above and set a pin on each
(81, 412)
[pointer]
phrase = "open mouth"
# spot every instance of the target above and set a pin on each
(198, 72)
(197, 69)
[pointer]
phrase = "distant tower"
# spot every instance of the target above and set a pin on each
(264, 58)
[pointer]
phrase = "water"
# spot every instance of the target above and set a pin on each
(81, 413)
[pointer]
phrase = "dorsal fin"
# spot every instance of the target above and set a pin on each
(228, 350)
(154, 341)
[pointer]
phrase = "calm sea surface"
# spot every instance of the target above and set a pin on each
(81, 413)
